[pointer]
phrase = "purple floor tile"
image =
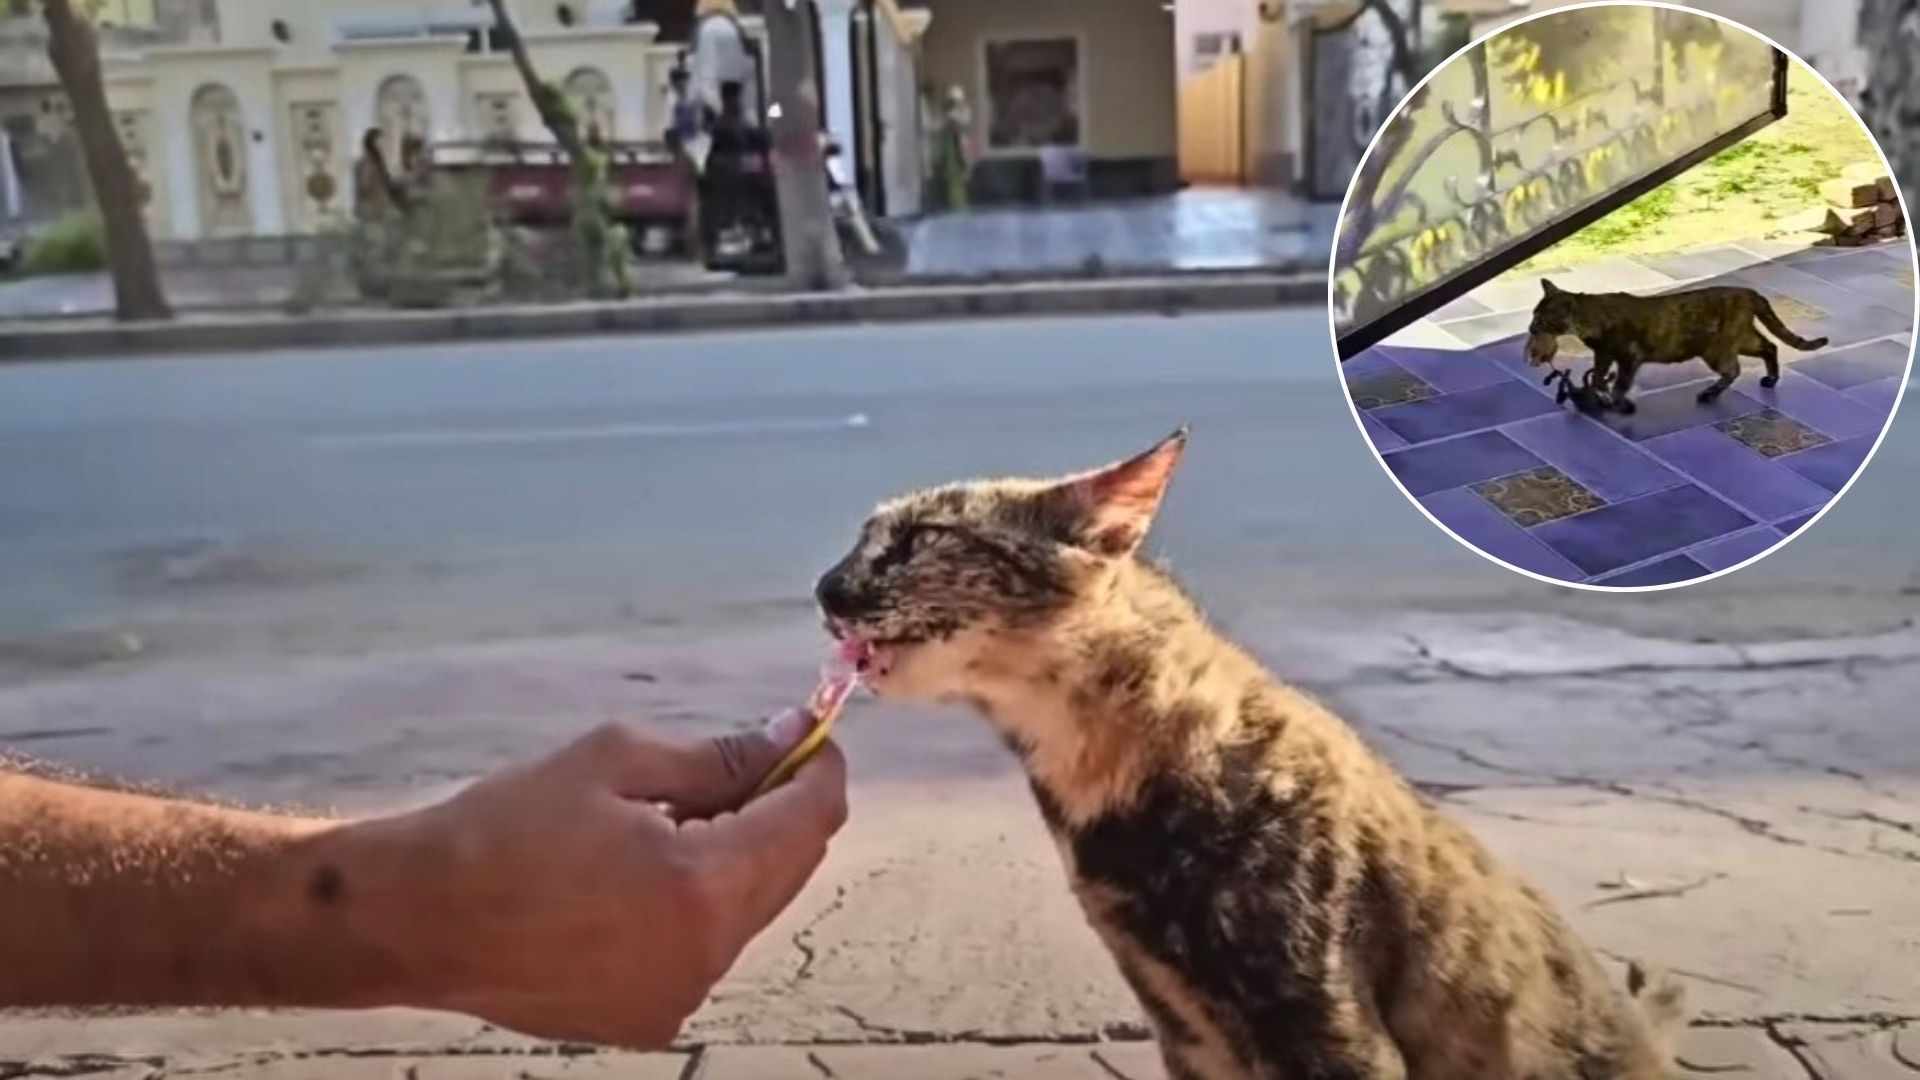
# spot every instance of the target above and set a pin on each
(1843, 368)
(1490, 532)
(1606, 464)
(1665, 572)
(1369, 363)
(1882, 394)
(1820, 406)
(1736, 549)
(1447, 370)
(1467, 410)
(1886, 289)
(1795, 523)
(1383, 440)
(1759, 485)
(1664, 412)
(1454, 462)
(1629, 532)
(1846, 316)
(1653, 377)
(1833, 465)
(1704, 262)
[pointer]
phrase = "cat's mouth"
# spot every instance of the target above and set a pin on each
(871, 656)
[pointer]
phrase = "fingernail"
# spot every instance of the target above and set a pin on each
(787, 728)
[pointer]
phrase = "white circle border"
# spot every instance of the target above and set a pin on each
(1333, 333)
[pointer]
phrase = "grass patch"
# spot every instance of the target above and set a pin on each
(1742, 193)
(75, 243)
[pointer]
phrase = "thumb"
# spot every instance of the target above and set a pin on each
(718, 774)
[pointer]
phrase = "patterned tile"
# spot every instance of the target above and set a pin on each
(1762, 487)
(1603, 463)
(1537, 496)
(1795, 312)
(1771, 433)
(1832, 466)
(1821, 407)
(1491, 533)
(1842, 368)
(1663, 412)
(1387, 388)
(1639, 529)
(1736, 549)
(1667, 571)
(1467, 410)
(1447, 370)
(1454, 462)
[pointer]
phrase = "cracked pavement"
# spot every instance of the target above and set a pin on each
(1747, 815)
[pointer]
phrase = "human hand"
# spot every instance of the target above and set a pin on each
(600, 893)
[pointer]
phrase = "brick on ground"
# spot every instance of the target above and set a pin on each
(1849, 194)
(1849, 1053)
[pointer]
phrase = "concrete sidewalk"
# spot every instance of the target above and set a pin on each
(27, 341)
(1747, 814)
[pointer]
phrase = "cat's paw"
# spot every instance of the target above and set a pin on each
(1625, 407)
(1707, 395)
(1769, 381)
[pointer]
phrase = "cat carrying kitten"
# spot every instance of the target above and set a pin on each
(1625, 331)
(1283, 904)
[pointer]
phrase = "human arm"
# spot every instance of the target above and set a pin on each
(557, 898)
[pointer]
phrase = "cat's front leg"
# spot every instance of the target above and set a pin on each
(1622, 382)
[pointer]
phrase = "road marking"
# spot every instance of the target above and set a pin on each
(438, 437)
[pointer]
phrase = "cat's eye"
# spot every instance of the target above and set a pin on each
(906, 541)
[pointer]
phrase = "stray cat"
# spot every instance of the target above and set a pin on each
(1625, 331)
(1283, 904)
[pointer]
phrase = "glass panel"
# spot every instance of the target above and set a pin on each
(1535, 123)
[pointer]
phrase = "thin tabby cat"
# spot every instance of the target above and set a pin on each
(1625, 332)
(1283, 904)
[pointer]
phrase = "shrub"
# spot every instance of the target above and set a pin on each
(75, 243)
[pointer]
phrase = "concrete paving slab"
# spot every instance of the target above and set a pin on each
(1746, 1053)
(594, 1066)
(948, 1062)
(1847, 1054)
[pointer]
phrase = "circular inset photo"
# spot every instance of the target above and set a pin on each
(1623, 296)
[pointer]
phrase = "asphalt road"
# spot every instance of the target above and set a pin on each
(356, 500)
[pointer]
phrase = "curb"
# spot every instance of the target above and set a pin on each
(1131, 296)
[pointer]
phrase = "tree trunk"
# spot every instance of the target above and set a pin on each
(602, 245)
(75, 51)
(1890, 32)
(807, 237)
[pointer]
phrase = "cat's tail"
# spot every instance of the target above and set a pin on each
(1662, 1002)
(1769, 318)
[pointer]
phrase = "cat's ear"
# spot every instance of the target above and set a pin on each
(1114, 506)
(1549, 288)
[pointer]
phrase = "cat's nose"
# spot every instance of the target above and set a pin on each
(834, 595)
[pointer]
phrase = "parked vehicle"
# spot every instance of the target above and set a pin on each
(651, 192)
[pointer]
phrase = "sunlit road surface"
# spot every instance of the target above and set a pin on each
(363, 499)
